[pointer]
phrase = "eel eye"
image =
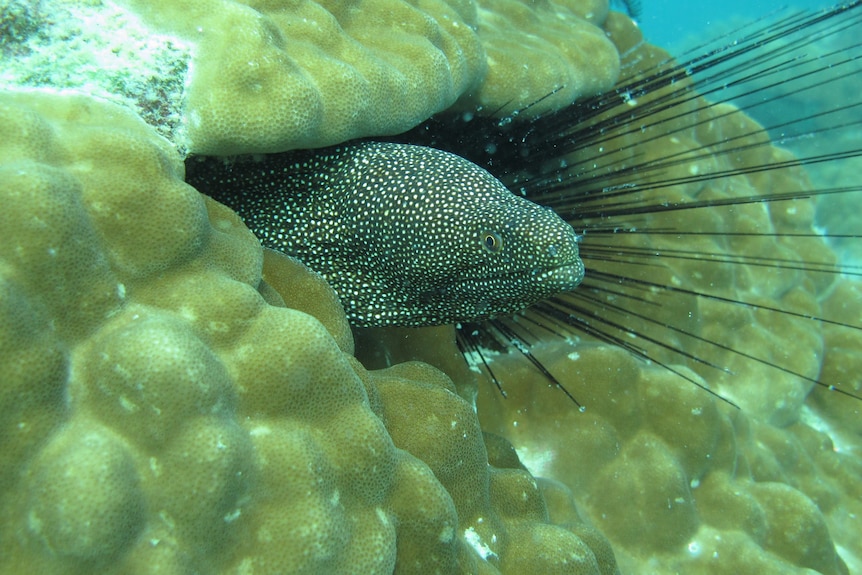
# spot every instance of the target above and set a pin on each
(492, 242)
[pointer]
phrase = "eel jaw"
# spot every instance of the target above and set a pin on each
(563, 278)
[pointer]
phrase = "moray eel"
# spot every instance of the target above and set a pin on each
(407, 235)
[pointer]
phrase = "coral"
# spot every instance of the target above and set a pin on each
(842, 362)
(163, 411)
(19, 20)
(227, 77)
(678, 480)
(673, 476)
(99, 49)
(296, 287)
(534, 48)
(273, 75)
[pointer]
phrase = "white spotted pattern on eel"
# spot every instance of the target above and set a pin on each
(406, 235)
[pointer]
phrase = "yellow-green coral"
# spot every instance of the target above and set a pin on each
(229, 77)
(272, 75)
(535, 47)
(673, 476)
(161, 411)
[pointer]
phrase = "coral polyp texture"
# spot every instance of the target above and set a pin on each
(163, 411)
(227, 77)
(677, 480)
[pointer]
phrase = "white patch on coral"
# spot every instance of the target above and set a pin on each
(841, 440)
(538, 462)
(694, 548)
(475, 541)
(260, 430)
(103, 50)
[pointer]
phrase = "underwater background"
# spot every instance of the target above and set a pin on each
(682, 27)
(676, 26)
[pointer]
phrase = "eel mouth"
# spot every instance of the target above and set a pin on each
(535, 284)
(530, 285)
(562, 278)
(565, 276)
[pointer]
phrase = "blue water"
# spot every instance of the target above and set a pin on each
(680, 26)
(676, 24)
